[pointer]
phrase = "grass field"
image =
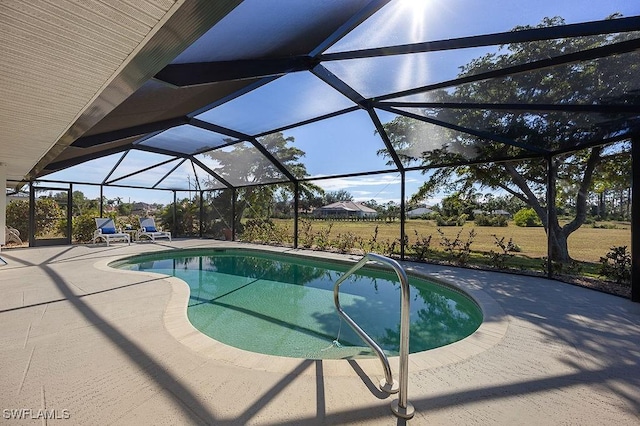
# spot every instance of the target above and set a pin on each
(587, 244)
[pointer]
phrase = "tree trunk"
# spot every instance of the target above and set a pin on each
(241, 206)
(560, 243)
(559, 246)
(558, 236)
(621, 194)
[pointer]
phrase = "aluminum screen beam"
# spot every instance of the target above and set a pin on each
(607, 26)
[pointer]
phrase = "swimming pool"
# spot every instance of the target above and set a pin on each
(281, 304)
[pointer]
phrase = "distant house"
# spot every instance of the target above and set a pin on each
(20, 196)
(492, 213)
(501, 213)
(142, 209)
(345, 209)
(419, 212)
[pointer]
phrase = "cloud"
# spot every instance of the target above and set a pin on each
(356, 182)
(363, 188)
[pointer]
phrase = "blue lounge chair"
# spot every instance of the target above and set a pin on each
(106, 230)
(148, 229)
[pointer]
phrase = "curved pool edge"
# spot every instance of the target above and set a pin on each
(490, 332)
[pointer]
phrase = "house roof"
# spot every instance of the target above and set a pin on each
(420, 210)
(347, 206)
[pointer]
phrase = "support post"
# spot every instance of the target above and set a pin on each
(101, 200)
(174, 231)
(296, 203)
(70, 214)
(402, 213)
(201, 215)
(3, 202)
(32, 214)
(551, 194)
(635, 216)
(233, 214)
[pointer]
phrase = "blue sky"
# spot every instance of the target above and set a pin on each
(348, 143)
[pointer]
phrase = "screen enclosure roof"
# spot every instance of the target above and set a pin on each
(232, 94)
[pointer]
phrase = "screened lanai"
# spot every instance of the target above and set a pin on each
(381, 97)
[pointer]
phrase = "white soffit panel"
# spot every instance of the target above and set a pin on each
(57, 57)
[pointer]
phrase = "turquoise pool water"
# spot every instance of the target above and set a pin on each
(283, 305)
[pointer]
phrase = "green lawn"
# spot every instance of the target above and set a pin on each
(587, 244)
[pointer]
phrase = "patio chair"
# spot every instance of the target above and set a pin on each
(148, 229)
(11, 235)
(106, 230)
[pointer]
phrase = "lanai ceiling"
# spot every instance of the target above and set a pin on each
(92, 91)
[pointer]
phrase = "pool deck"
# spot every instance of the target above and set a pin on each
(102, 346)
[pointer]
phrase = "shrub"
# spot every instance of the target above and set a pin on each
(46, 210)
(451, 220)
(322, 240)
(388, 248)
(604, 226)
(377, 246)
(257, 230)
(372, 243)
(490, 220)
(48, 213)
(83, 227)
(526, 217)
(217, 229)
(132, 222)
(345, 242)
(507, 250)
(563, 268)
(305, 234)
(617, 264)
(186, 221)
(18, 216)
(422, 246)
(265, 231)
(457, 249)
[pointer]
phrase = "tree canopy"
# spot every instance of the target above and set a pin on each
(240, 166)
(507, 150)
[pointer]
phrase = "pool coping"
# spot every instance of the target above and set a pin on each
(491, 331)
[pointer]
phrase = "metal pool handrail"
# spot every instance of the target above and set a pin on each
(400, 406)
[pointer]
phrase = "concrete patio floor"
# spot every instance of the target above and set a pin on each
(91, 345)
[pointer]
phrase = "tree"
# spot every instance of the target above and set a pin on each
(390, 210)
(243, 168)
(337, 196)
(453, 210)
(373, 204)
(309, 201)
(614, 177)
(505, 202)
(82, 204)
(186, 217)
(283, 203)
(453, 205)
(47, 216)
(526, 180)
